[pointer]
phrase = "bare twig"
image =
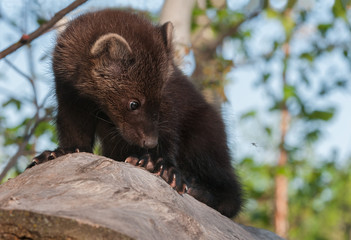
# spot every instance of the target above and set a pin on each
(42, 29)
(32, 76)
(30, 79)
(45, 99)
(19, 71)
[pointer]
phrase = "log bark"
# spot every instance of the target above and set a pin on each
(85, 196)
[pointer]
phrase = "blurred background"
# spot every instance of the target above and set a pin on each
(278, 70)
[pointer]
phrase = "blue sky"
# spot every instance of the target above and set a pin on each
(240, 92)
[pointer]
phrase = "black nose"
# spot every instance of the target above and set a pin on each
(150, 142)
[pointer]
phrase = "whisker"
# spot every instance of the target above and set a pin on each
(102, 119)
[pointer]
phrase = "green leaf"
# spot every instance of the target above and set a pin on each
(323, 28)
(14, 129)
(248, 115)
(321, 115)
(308, 56)
(222, 14)
(303, 15)
(289, 91)
(265, 77)
(248, 161)
(276, 45)
(246, 33)
(341, 83)
(313, 135)
(198, 12)
(270, 13)
(282, 170)
(345, 52)
(288, 24)
(277, 105)
(41, 21)
(14, 101)
(268, 130)
(339, 9)
(291, 4)
(42, 128)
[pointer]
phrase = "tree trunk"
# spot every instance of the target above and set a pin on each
(85, 196)
(281, 181)
(281, 184)
(179, 13)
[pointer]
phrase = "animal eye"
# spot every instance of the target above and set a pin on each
(134, 105)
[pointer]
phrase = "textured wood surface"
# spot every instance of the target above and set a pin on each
(85, 196)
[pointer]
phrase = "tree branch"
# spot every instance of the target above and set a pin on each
(207, 70)
(25, 39)
(211, 46)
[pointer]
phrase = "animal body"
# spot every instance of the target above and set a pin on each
(116, 81)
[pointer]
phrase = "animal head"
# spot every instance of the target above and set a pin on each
(129, 75)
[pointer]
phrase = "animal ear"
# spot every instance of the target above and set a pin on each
(167, 32)
(113, 44)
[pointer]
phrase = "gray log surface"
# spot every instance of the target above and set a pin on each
(85, 196)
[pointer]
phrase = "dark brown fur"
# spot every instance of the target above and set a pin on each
(95, 89)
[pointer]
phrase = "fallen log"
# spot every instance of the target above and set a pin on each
(85, 196)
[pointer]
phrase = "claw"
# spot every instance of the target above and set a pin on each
(132, 160)
(144, 161)
(160, 168)
(160, 172)
(184, 189)
(52, 156)
(141, 162)
(33, 163)
(173, 183)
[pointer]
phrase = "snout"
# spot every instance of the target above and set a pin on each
(150, 142)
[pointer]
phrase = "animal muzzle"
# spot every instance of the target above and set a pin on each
(149, 142)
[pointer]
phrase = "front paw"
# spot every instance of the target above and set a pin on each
(48, 156)
(144, 161)
(160, 168)
(173, 177)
